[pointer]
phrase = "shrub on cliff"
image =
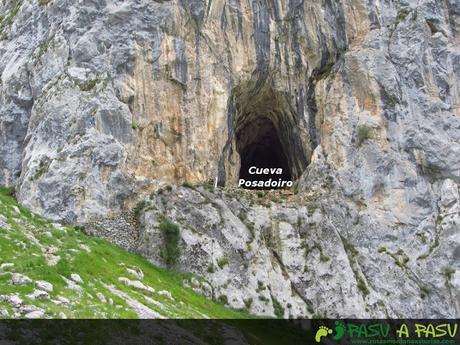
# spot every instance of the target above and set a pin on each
(170, 250)
(364, 133)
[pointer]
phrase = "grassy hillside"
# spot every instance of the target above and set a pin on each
(51, 271)
(111, 284)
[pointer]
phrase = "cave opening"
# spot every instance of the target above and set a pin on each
(267, 131)
(262, 156)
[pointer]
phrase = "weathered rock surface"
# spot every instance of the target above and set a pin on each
(44, 285)
(102, 103)
(37, 314)
(312, 253)
(19, 279)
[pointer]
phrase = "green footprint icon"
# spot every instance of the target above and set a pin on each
(322, 332)
(339, 330)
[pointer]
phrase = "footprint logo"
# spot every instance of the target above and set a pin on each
(339, 330)
(323, 331)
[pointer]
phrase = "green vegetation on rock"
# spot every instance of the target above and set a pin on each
(170, 251)
(7, 20)
(222, 262)
(88, 85)
(364, 133)
(278, 308)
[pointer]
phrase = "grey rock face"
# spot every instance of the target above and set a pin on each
(38, 294)
(98, 100)
(45, 286)
(37, 314)
(102, 103)
(312, 253)
(19, 279)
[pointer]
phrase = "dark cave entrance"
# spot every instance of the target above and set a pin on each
(260, 147)
(265, 130)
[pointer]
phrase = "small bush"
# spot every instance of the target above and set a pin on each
(350, 249)
(362, 286)
(187, 185)
(88, 85)
(263, 299)
(222, 262)
(251, 229)
(139, 207)
(134, 125)
(449, 272)
(248, 303)
(422, 237)
(80, 228)
(364, 133)
(278, 308)
(324, 258)
(439, 220)
(211, 268)
(8, 191)
(170, 251)
(382, 250)
(399, 264)
(41, 170)
(402, 14)
(260, 286)
(222, 299)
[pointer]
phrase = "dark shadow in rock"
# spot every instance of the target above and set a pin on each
(259, 146)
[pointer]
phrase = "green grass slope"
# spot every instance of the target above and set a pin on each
(111, 284)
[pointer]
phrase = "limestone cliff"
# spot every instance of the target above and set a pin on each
(105, 102)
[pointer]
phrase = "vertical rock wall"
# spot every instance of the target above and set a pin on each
(142, 94)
